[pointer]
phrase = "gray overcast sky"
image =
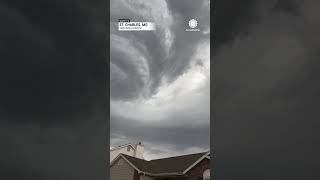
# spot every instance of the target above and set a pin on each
(160, 80)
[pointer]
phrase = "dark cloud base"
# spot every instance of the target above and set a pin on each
(266, 95)
(51, 61)
(53, 94)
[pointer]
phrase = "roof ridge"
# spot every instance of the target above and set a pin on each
(158, 167)
(134, 157)
(178, 156)
(165, 157)
(123, 145)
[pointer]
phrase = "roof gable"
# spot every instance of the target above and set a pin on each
(173, 165)
(122, 156)
(206, 155)
(123, 146)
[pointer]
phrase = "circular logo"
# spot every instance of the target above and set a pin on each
(193, 23)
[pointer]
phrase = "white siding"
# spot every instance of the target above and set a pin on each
(121, 170)
(139, 151)
(116, 152)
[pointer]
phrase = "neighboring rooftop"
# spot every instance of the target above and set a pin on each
(124, 145)
(177, 164)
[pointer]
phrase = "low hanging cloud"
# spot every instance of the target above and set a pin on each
(53, 88)
(160, 80)
(267, 93)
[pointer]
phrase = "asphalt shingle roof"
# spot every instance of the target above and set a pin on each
(175, 164)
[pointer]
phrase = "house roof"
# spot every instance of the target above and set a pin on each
(172, 165)
(122, 146)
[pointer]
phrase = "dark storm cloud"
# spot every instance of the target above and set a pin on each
(57, 73)
(267, 94)
(185, 45)
(234, 19)
(55, 152)
(160, 79)
(152, 46)
(287, 6)
(52, 95)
